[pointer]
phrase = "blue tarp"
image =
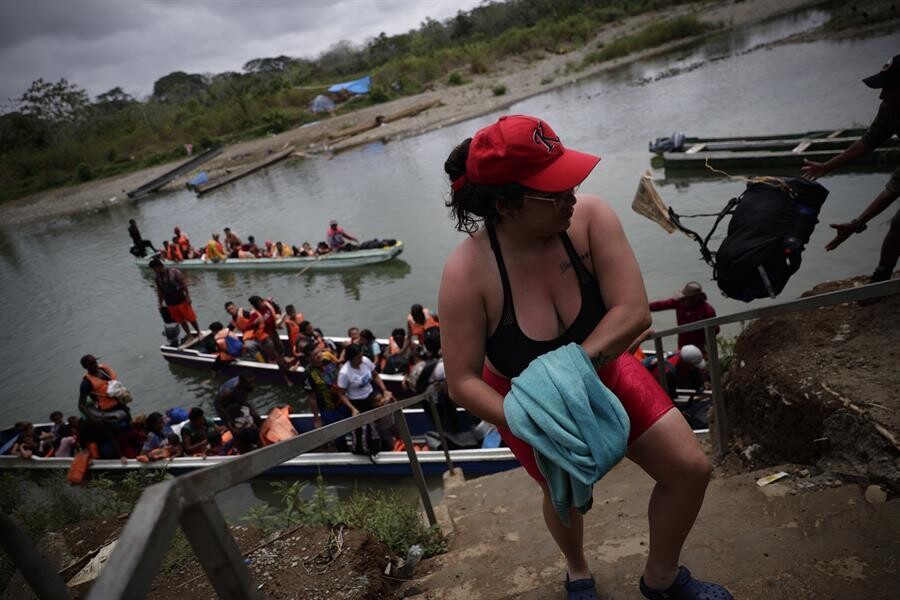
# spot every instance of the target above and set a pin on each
(321, 104)
(360, 86)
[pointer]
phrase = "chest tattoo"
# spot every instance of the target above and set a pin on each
(566, 265)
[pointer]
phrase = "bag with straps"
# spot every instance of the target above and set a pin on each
(771, 222)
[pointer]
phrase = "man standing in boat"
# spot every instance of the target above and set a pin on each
(173, 290)
(885, 125)
(337, 237)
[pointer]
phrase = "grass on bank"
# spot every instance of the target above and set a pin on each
(651, 36)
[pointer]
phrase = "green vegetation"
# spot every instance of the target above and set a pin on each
(383, 514)
(456, 79)
(655, 34)
(498, 89)
(56, 135)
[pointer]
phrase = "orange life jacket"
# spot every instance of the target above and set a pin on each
(79, 467)
(184, 243)
(293, 331)
(277, 427)
(174, 254)
(222, 346)
(245, 324)
(419, 330)
(98, 389)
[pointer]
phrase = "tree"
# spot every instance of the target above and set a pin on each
(178, 85)
(268, 65)
(54, 102)
(114, 99)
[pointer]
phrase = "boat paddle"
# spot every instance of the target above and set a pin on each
(309, 266)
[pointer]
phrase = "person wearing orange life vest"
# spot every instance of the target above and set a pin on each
(183, 243)
(95, 383)
(172, 289)
(418, 321)
(215, 251)
(171, 252)
(292, 321)
(264, 317)
(242, 321)
(105, 417)
(221, 336)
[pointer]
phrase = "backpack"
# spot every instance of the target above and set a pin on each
(770, 224)
(395, 363)
(233, 345)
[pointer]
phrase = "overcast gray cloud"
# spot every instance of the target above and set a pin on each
(100, 44)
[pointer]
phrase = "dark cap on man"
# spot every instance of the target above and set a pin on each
(88, 360)
(888, 77)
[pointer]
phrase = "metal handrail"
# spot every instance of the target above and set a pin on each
(865, 292)
(190, 501)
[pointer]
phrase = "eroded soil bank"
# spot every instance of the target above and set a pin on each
(821, 387)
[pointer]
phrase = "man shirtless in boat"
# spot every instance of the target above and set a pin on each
(885, 125)
(232, 241)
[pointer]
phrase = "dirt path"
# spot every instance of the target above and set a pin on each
(522, 79)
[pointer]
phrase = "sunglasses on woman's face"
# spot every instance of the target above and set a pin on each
(555, 198)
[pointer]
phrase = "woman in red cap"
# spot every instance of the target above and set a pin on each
(542, 268)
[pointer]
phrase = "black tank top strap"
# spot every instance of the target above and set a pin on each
(584, 276)
(508, 315)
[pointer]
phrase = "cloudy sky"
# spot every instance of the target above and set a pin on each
(100, 44)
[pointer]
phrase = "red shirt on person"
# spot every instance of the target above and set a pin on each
(688, 314)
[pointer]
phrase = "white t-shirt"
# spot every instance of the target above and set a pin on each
(357, 382)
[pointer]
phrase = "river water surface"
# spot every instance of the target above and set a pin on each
(70, 287)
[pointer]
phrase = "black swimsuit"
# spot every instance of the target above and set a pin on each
(508, 348)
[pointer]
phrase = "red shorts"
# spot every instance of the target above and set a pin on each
(182, 313)
(640, 394)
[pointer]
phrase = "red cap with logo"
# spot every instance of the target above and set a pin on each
(525, 150)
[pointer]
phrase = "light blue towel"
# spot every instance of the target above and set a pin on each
(576, 425)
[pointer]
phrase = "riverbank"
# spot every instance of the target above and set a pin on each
(520, 78)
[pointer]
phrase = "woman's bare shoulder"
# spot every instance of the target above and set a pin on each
(467, 259)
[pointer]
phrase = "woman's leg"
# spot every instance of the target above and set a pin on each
(669, 452)
(569, 539)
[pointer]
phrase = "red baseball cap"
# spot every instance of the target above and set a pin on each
(525, 150)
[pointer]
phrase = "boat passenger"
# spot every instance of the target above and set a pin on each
(685, 369)
(132, 439)
(183, 243)
(171, 252)
(371, 349)
(228, 346)
(231, 402)
(140, 245)
(49, 440)
(242, 320)
(252, 247)
(322, 248)
(505, 301)
(245, 252)
(884, 126)
(307, 250)
(25, 446)
(282, 250)
(269, 251)
(68, 438)
(174, 447)
(217, 446)
(359, 382)
(215, 252)
(105, 417)
(267, 320)
(232, 241)
(156, 436)
(396, 359)
(326, 404)
(195, 432)
(690, 306)
(292, 320)
(172, 289)
(94, 386)
(337, 237)
(418, 321)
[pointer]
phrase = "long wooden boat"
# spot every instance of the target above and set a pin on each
(774, 150)
(195, 355)
(334, 260)
(474, 461)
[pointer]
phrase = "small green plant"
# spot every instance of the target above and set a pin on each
(276, 121)
(455, 78)
(478, 64)
(498, 89)
(84, 172)
(547, 80)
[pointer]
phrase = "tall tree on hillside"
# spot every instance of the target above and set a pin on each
(58, 102)
(268, 65)
(178, 86)
(114, 99)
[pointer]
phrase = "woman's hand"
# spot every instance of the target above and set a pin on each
(813, 170)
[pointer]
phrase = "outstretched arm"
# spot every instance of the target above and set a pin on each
(845, 230)
(813, 170)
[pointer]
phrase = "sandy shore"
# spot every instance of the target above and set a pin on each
(459, 103)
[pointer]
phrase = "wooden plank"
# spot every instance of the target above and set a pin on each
(801, 147)
(836, 133)
(695, 148)
(168, 176)
(214, 185)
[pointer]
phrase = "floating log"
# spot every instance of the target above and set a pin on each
(165, 178)
(274, 158)
(380, 119)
